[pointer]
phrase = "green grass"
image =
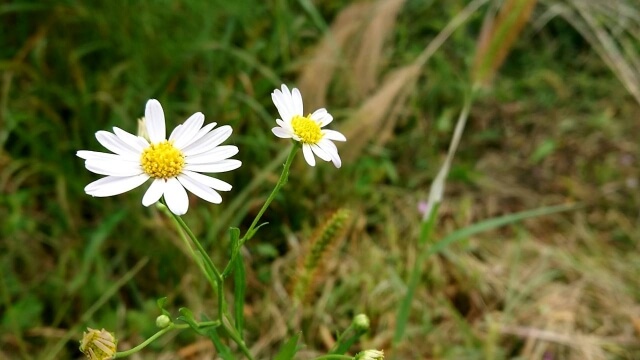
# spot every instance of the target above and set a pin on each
(556, 127)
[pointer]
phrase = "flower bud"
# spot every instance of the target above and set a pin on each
(163, 321)
(370, 355)
(142, 129)
(361, 323)
(98, 344)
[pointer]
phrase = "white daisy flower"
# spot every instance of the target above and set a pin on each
(306, 129)
(174, 164)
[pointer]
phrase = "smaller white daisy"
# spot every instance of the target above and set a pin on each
(306, 129)
(173, 164)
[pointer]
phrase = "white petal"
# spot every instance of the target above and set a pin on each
(96, 155)
(154, 120)
(322, 117)
(200, 190)
(176, 132)
(136, 142)
(217, 167)
(284, 125)
(154, 192)
(208, 181)
(336, 160)
(281, 133)
(113, 167)
(287, 100)
(114, 144)
(327, 145)
(333, 135)
(209, 141)
(279, 102)
(308, 155)
(296, 101)
(320, 153)
(331, 150)
(114, 185)
(202, 132)
(176, 197)
(217, 154)
(190, 129)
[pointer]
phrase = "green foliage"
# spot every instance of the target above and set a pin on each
(556, 127)
(289, 349)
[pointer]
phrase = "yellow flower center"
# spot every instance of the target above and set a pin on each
(162, 160)
(306, 129)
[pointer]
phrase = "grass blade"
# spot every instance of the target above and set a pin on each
(497, 222)
(289, 349)
(458, 235)
(405, 305)
(52, 353)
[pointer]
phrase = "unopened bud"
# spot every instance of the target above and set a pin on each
(163, 321)
(142, 129)
(361, 323)
(370, 355)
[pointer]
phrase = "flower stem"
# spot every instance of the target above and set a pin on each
(161, 332)
(208, 263)
(252, 228)
(430, 217)
(134, 350)
(283, 180)
(237, 338)
(184, 238)
(345, 340)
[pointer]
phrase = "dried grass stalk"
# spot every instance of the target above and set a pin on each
(497, 38)
(317, 73)
(369, 51)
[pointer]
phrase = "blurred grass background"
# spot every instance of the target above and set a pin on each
(559, 124)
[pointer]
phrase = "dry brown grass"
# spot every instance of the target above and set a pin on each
(612, 27)
(498, 34)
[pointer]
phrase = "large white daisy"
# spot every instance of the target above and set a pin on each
(173, 164)
(306, 129)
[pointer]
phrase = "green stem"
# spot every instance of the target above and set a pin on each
(208, 263)
(252, 229)
(340, 339)
(235, 336)
(184, 238)
(283, 180)
(346, 340)
(161, 332)
(134, 350)
(436, 194)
